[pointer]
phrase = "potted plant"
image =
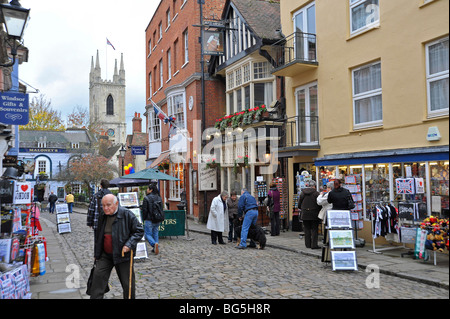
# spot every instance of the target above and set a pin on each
(211, 163)
(242, 161)
(43, 176)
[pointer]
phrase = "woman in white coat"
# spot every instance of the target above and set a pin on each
(218, 218)
(322, 200)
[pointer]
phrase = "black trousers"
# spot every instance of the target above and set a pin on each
(311, 229)
(102, 273)
(275, 224)
(215, 235)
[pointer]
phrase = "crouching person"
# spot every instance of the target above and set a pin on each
(118, 233)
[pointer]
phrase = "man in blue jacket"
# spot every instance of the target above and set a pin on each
(246, 205)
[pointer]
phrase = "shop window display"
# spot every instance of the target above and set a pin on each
(377, 183)
(439, 180)
(414, 170)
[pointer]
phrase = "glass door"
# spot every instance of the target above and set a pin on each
(307, 115)
(305, 30)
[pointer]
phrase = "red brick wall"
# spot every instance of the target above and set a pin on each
(215, 104)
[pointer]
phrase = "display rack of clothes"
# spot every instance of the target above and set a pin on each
(384, 218)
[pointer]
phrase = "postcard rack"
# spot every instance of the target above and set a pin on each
(338, 241)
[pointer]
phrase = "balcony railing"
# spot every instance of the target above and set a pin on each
(297, 132)
(301, 131)
(295, 53)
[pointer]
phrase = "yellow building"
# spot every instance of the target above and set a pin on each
(367, 100)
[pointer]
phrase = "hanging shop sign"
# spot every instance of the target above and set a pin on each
(23, 193)
(137, 150)
(14, 108)
(213, 43)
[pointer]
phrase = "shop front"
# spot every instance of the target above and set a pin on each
(401, 178)
(248, 162)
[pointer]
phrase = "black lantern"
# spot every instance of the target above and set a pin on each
(15, 18)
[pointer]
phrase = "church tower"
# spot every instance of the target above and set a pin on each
(107, 101)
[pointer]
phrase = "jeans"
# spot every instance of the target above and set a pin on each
(70, 205)
(52, 208)
(151, 232)
(250, 219)
(231, 230)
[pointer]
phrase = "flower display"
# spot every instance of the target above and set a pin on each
(211, 163)
(240, 118)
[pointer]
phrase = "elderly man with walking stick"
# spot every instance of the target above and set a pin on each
(117, 235)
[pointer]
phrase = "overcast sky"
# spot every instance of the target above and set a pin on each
(62, 36)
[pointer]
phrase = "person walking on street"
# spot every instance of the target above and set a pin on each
(95, 206)
(322, 200)
(248, 208)
(151, 224)
(70, 200)
(339, 196)
(118, 233)
(218, 218)
(52, 199)
(309, 214)
(232, 204)
(274, 194)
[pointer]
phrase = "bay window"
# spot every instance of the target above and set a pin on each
(249, 85)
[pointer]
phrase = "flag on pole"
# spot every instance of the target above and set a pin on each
(109, 43)
(159, 113)
(166, 119)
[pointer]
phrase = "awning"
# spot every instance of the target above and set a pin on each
(419, 154)
(161, 158)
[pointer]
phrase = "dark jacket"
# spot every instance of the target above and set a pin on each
(246, 202)
(95, 208)
(308, 204)
(53, 198)
(339, 198)
(275, 194)
(147, 205)
(126, 231)
(232, 208)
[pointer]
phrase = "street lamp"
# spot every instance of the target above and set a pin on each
(15, 18)
(122, 155)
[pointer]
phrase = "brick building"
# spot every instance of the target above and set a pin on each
(174, 83)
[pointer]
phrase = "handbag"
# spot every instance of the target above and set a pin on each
(91, 278)
(350, 202)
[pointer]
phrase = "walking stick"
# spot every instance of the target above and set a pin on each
(131, 273)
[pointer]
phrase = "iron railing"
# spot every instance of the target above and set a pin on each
(299, 47)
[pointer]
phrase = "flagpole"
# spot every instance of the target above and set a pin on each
(106, 66)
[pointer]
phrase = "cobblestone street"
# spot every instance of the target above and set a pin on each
(195, 269)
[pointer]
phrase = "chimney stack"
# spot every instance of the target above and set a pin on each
(137, 123)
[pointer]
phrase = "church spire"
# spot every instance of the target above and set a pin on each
(116, 74)
(122, 70)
